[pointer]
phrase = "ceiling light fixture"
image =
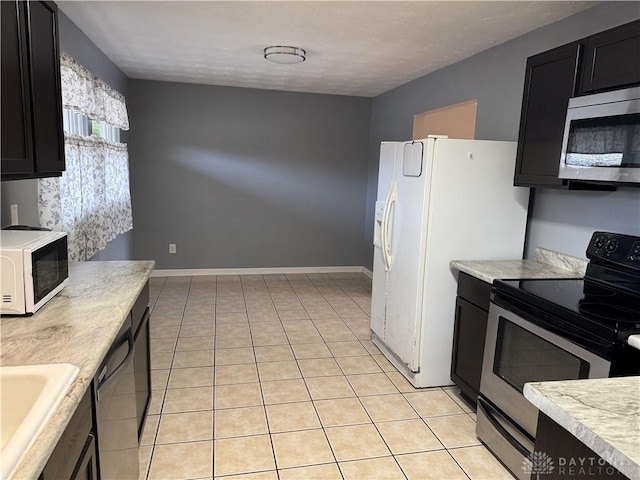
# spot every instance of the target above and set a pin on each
(285, 55)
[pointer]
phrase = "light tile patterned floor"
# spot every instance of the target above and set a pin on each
(276, 377)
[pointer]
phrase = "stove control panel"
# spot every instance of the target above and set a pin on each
(615, 247)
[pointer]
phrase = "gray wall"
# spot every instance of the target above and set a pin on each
(250, 178)
(25, 192)
(560, 220)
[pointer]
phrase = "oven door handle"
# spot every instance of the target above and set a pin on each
(491, 414)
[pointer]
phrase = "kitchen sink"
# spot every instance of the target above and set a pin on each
(28, 396)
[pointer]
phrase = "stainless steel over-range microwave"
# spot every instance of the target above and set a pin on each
(602, 138)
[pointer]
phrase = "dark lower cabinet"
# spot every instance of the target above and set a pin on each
(87, 468)
(612, 59)
(561, 456)
(75, 455)
(470, 328)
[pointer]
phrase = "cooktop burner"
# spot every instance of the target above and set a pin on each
(610, 313)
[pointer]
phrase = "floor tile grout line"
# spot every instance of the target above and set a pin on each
(164, 394)
(264, 406)
(357, 396)
(326, 437)
(153, 443)
(344, 375)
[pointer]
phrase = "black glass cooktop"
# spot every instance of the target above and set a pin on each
(598, 311)
(589, 305)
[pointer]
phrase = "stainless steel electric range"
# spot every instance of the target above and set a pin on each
(564, 329)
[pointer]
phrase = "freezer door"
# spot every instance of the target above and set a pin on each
(408, 237)
(379, 283)
(386, 168)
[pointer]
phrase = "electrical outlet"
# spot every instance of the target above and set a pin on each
(172, 248)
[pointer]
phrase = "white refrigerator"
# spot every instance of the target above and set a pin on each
(438, 200)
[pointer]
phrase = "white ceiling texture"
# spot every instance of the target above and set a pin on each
(361, 48)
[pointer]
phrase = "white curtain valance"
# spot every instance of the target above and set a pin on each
(85, 93)
(91, 201)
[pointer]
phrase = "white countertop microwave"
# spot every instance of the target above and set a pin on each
(34, 267)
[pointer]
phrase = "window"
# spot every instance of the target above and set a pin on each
(91, 201)
(75, 123)
(102, 129)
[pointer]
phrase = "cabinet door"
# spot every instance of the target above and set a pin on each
(87, 467)
(553, 441)
(612, 59)
(72, 448)
(550, 81)
(17, 155)
(470, 328)
(45, 88)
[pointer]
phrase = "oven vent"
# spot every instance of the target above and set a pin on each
(7, 298)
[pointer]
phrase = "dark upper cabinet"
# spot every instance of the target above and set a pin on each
(32, 133)
(612, 59)
(16, 105)
(605, 61)
(550, 81)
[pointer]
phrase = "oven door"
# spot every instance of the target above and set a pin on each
(49, 273)
(516, 352)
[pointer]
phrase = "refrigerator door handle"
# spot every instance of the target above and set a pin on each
(386, 222)
(383, 235)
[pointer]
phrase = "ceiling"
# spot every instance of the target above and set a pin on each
(361, 48)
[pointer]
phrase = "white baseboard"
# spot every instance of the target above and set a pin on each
(191, 272)
(367, 272)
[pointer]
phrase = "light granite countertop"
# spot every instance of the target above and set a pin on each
(604, 414)
(544, 264)
(77, 326)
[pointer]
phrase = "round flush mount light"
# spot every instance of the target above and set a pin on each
(285, 55)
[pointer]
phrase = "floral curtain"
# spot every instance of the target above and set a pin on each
(85, 93)
(91, 201)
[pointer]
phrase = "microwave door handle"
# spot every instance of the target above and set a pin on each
(490, 412)
(115, 375)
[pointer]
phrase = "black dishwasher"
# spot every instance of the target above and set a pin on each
(116, 415)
